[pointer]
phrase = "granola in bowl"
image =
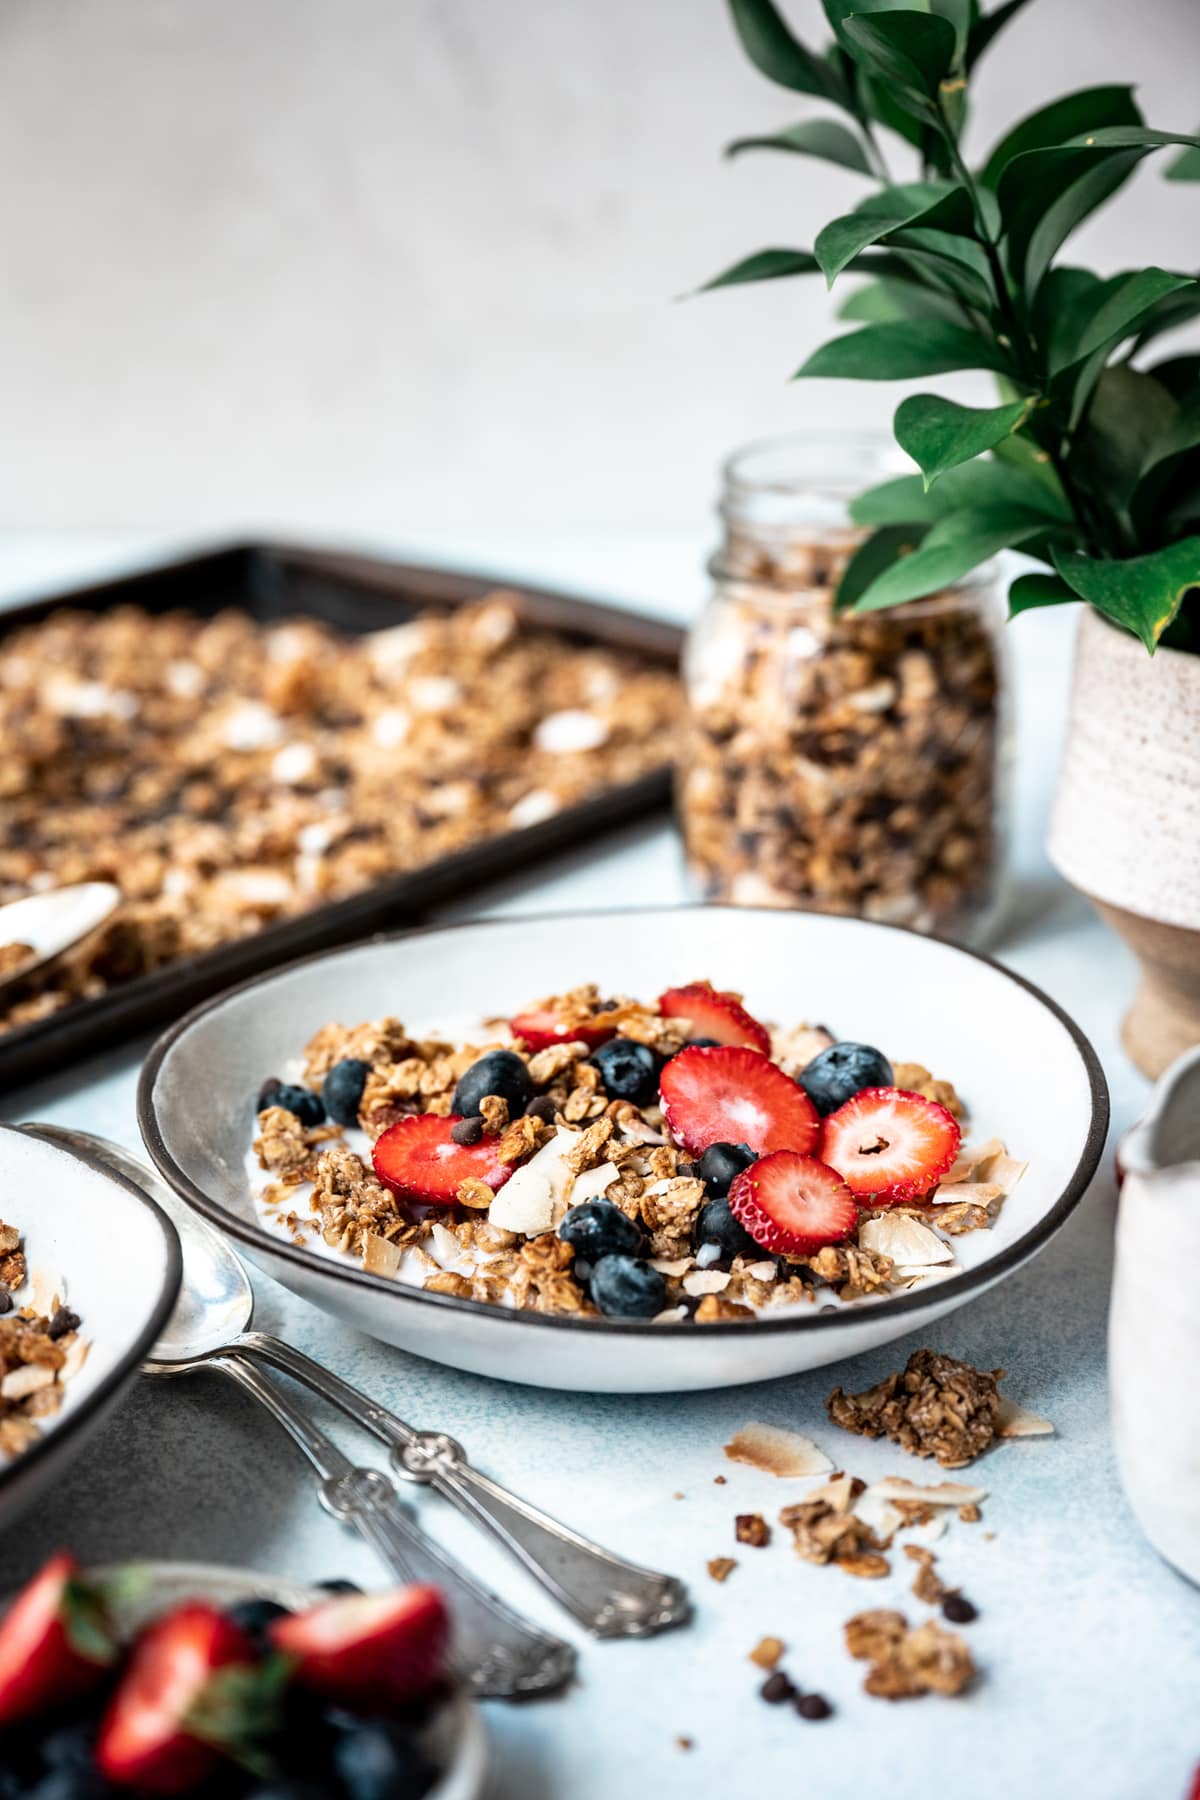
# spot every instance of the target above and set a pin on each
(41, 1347)
(228, 774)
(671, 1159)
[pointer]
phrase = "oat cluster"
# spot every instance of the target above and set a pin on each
(226, 774)
(935, 1406)
(40, 1350)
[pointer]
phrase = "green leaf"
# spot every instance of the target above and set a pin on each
(1065, 301)
(1142, 593)
(764, 265)
(815, 137)
(1168, 315)
(939, 435)
(871, 558)
(1132, 137)
(839, 11)
(912, 49)
(781, 57)
(1129, 411)
(974, 486)
(903, 351)
(1169, 476)
(888, 299)
(982, 33)
(1178, 374)
(884, 213)
(939, 562)
(1119, 306)
(1038, 588)
(1045, 194)
(1062, 120)
(956, 264)
(1184, 167)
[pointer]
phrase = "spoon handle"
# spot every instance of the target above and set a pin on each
(611, 1597)
(497, 1654)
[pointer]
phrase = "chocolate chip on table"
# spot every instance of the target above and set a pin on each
(467, 1131)
(958, 1609)
(542, 1108)
(63, 1321)
(777, 1688)
(812, 1706)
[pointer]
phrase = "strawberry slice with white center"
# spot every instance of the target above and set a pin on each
(716, 1015)
(793, 1205)
(187, 1698)
(538, 1030)
(56, 1641)
(890, 1144)
(730, 1095)
(369, 1651)
(419, 1160)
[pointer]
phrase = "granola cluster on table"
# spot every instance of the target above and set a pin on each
(226, 774)
(673, 1160)
(40, 1347)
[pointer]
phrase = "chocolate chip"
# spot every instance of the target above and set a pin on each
(813, 1706)
(63, 1321)
(690, 1169)
(776, 1688)
(467, 1131)
(542, 1108)
(6, 1300)
(958, 1609)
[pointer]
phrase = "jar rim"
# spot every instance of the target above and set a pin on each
(813, 462)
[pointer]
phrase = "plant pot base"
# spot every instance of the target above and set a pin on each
(1164, 1019)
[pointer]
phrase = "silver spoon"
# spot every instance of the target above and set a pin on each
(53, 922)
(496, 1653)
(608, 1595)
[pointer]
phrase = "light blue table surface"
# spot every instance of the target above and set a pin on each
(1089, 1645)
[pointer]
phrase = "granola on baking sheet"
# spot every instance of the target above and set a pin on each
(226, 773)
(40, 1347)
(598, 1154)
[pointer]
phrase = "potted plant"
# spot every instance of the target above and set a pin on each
(1089, 463)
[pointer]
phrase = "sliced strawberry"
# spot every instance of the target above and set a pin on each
(538, 1030)
(183, 1702)
(418, 1159)
(369, 1650)
(1193, 1792)
(56, 1641)
(793, 1204)
(890, 1144)
(715, 1015)
(729, 1095)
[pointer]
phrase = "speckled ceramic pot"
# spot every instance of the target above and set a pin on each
(1126, 823)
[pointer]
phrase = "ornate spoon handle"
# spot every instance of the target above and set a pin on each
(496, 1653)
(611, 1597)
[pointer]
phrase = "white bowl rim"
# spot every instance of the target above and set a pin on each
(79, 1417)
(952, 1290)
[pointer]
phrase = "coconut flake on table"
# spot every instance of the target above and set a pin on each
(571, 730)
(1016, 1421)
(776, 1451)
(941, 1493)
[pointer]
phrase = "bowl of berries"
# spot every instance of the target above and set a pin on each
(164, 1678)
(633, 1151)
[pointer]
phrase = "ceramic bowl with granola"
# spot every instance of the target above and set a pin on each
(89, 1272)
(633, 1151)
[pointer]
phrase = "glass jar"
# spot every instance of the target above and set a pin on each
(847, 763)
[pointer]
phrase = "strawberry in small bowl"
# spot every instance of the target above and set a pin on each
(157, 1679)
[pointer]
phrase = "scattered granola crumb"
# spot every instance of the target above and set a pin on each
(719, 1480)
(936, 1406)
(722, 1567)
(752, 1528)
(677, 1495)
(767, 1652)
(776, 1451)
(927, 1584)
(685, 1743)
(906, 1663)
(822, 1535)
(970, 1514)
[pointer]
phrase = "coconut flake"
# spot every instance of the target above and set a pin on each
(434, 693)
(838, 1493)
(571, 730)
(533, 807)
(293, 764)
(525, 1204)
(1016, 1422)
(706, 1281)
(1004, 1170)
(907, 1242)
(762, 1271)
(252, 726)
(445, 1247)
(969, 1158)
(968, 1193)
(672, 1315)
(941, 1493)
(30, 1378)
(776, 1451)
(74, 1359)
(380, 1256)
(883, 1518)
(390, 727)
(593, 1183)
(672, 1266)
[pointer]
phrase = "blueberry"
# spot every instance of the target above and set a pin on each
(705, 1044)
(720, 1163)
(71, 1784)
(339, 1587)
(500, 1072)
(597, 1228)
(302, 1101)
(382, 1762)
(842, 1071)
(624, 1287)
(267, 1093)
(255, 1617)
(629, 1071)
(343, 1089)
(717, 1225)
(70, 1746)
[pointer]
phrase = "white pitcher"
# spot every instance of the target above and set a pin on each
(1154, 1320)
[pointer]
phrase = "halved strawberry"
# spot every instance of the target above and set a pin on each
(418, 1159)
(716, 1015)
(538, 1030)
(890, 1144)
(369, 1650)
(56, 1641)
(793, 1204)
(1193, 1792)
(729, 1095)
(184, 1701)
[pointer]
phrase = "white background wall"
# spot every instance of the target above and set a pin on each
(408, 265)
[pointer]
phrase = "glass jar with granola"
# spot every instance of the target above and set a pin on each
(839, 762)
